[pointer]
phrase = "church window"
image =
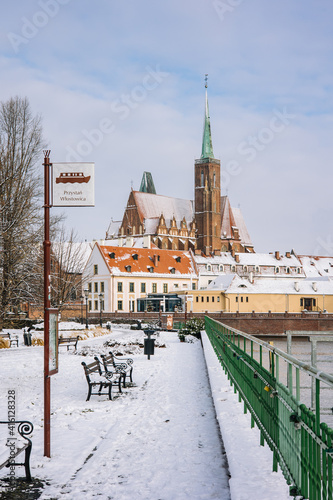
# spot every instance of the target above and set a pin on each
(202, 178)
(214, 181)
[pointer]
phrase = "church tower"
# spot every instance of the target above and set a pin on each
(207, 197)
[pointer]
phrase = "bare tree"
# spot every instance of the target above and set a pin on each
(21, 222)
(68, 258)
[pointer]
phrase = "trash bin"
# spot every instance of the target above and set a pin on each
(149, 345)
(27, 338)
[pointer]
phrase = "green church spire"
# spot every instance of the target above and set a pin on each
(207, 146)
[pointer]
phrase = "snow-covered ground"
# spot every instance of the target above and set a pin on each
(159, 440)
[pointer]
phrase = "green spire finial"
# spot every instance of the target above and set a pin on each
(207, 145)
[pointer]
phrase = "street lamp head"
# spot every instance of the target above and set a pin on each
(86, 292)
(100, 296)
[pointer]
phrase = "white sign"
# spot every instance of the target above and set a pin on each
(73, 185)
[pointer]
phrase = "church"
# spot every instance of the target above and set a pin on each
(206, 225)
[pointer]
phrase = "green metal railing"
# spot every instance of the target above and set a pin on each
(301, 445)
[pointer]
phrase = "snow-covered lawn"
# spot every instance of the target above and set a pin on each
(159, 440)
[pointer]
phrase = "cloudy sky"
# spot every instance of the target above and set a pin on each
(121, 84)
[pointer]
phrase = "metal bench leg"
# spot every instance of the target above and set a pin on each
(27, 463)
(89, 393)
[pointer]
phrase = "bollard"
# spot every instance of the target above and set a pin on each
(149, 344)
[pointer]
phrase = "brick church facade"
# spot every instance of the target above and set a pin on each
(208, 225)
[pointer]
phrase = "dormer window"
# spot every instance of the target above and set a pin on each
(128, 269)
(112, 255)
(172, 270)
(135, 256)
(151, 269)
(178, 259)
(221, 267)
(277, 270)
(209, 267)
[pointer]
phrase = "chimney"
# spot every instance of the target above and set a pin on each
(237, 258)
(155, 260)
(314, 286)
(296, 285)
(288, 255)
(277, 255)
(232, 252)
(251, 277)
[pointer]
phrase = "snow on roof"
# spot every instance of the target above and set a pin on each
(315, 266)
(240, 223)
(272, 286)
(153, 205)
(222, 282)
(250, 259)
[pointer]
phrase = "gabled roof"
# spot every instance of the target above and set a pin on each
(152, 206)
(141, 260)
(233, 217)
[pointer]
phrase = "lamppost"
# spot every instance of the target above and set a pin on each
(100, 308)
(81, 298)
(86, 294)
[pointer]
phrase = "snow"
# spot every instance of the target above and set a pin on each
(160, 439)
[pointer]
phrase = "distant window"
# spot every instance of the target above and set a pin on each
(178, 259)
(112, 255)
(120, 305)
(221, 267)
(207, 299)
(314, 302)
(154, 287)
(257, 270)
(241, 299)
(128, 269)
(213, 299)
(202, 178)
(165, 287)
(143, 287)
(218, 299)
(202, 299)
(95, 268)
(96, 287)
(131, 287)
(298, 270)
(89, 305)
(245, 269)
(209, 267)
(96, 305)
(197, 299)
(288, 270)
(193, 286)
(277, 270)
(102, 286)
(236, 299)
(233, 269)
(301, 302)
(120, 286)
(172, 270)
(135, 256)
(247, 299)
(89, 287)
(151, 269)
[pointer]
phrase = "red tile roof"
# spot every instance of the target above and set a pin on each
(162, 261)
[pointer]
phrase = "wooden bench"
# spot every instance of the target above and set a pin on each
(111, 362)
(96, 377)
(18, 445)
(7, 336)
(69, 342)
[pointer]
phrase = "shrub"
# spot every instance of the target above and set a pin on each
(193, 327)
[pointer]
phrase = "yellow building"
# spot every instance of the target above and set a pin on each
(230, 293)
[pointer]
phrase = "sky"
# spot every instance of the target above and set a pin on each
(121, 84)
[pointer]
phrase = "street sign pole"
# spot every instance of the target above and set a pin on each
(47, 303)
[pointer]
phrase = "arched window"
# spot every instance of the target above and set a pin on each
(202, 178)
(214, 180)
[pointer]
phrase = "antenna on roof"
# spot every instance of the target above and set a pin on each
(206, 80)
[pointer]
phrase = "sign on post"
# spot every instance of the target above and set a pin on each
(73, 185)
(53, 341)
